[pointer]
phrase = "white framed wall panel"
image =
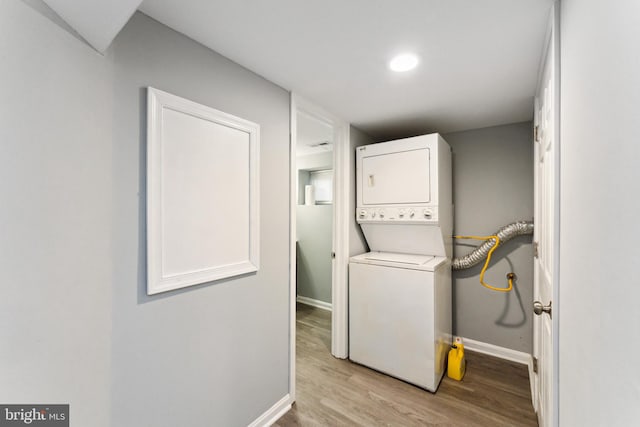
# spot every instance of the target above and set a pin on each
(202, 194)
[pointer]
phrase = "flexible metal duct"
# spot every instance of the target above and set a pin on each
(505, 234)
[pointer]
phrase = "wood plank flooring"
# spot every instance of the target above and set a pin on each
(334, 392)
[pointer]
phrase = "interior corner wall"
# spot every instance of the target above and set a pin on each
(492, 187)
(217, 353)
(598, 316)
(55, 221)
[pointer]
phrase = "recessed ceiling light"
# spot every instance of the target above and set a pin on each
(403, 62)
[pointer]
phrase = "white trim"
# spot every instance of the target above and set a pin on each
(340, 289)
(274, 413)
(293, 201)
(499, 352)
(555, 325)
(314, 303)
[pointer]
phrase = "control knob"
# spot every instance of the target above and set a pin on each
(427, 213)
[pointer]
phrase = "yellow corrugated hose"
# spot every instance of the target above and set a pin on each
(510, 276)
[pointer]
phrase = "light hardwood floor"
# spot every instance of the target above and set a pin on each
(334, 392)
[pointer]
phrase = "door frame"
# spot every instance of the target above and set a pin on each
(555, 397)
(339, 266)
(552, 42)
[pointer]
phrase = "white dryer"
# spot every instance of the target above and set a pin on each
(403, 195)
(400, 318)
(400, 292)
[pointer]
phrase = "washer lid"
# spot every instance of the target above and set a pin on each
(399, 258)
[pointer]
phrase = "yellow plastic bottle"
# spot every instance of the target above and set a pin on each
(456, 365)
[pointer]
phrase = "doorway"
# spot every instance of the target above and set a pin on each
(314, 211)
(319, 247)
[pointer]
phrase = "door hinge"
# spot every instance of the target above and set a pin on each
(536, 253)
(535, 365)
(536, 133)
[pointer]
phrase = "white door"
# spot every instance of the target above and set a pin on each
(546, 151)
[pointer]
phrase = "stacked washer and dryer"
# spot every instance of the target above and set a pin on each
(400, 292)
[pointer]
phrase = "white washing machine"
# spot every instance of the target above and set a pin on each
(400, 292)
(401, 323)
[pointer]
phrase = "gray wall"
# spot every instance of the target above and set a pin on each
(598, 313)
(217, 352)
(56, 217)
(492, 187)
(314, 227)
(77, 324)
(315, 240)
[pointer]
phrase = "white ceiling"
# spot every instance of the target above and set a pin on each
(479, 59)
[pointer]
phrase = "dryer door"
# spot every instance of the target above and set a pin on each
(396, 178)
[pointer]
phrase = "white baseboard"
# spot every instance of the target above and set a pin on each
(499, 352)
(314, 303)
(274, 413)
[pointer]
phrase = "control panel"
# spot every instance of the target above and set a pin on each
(398, 214)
